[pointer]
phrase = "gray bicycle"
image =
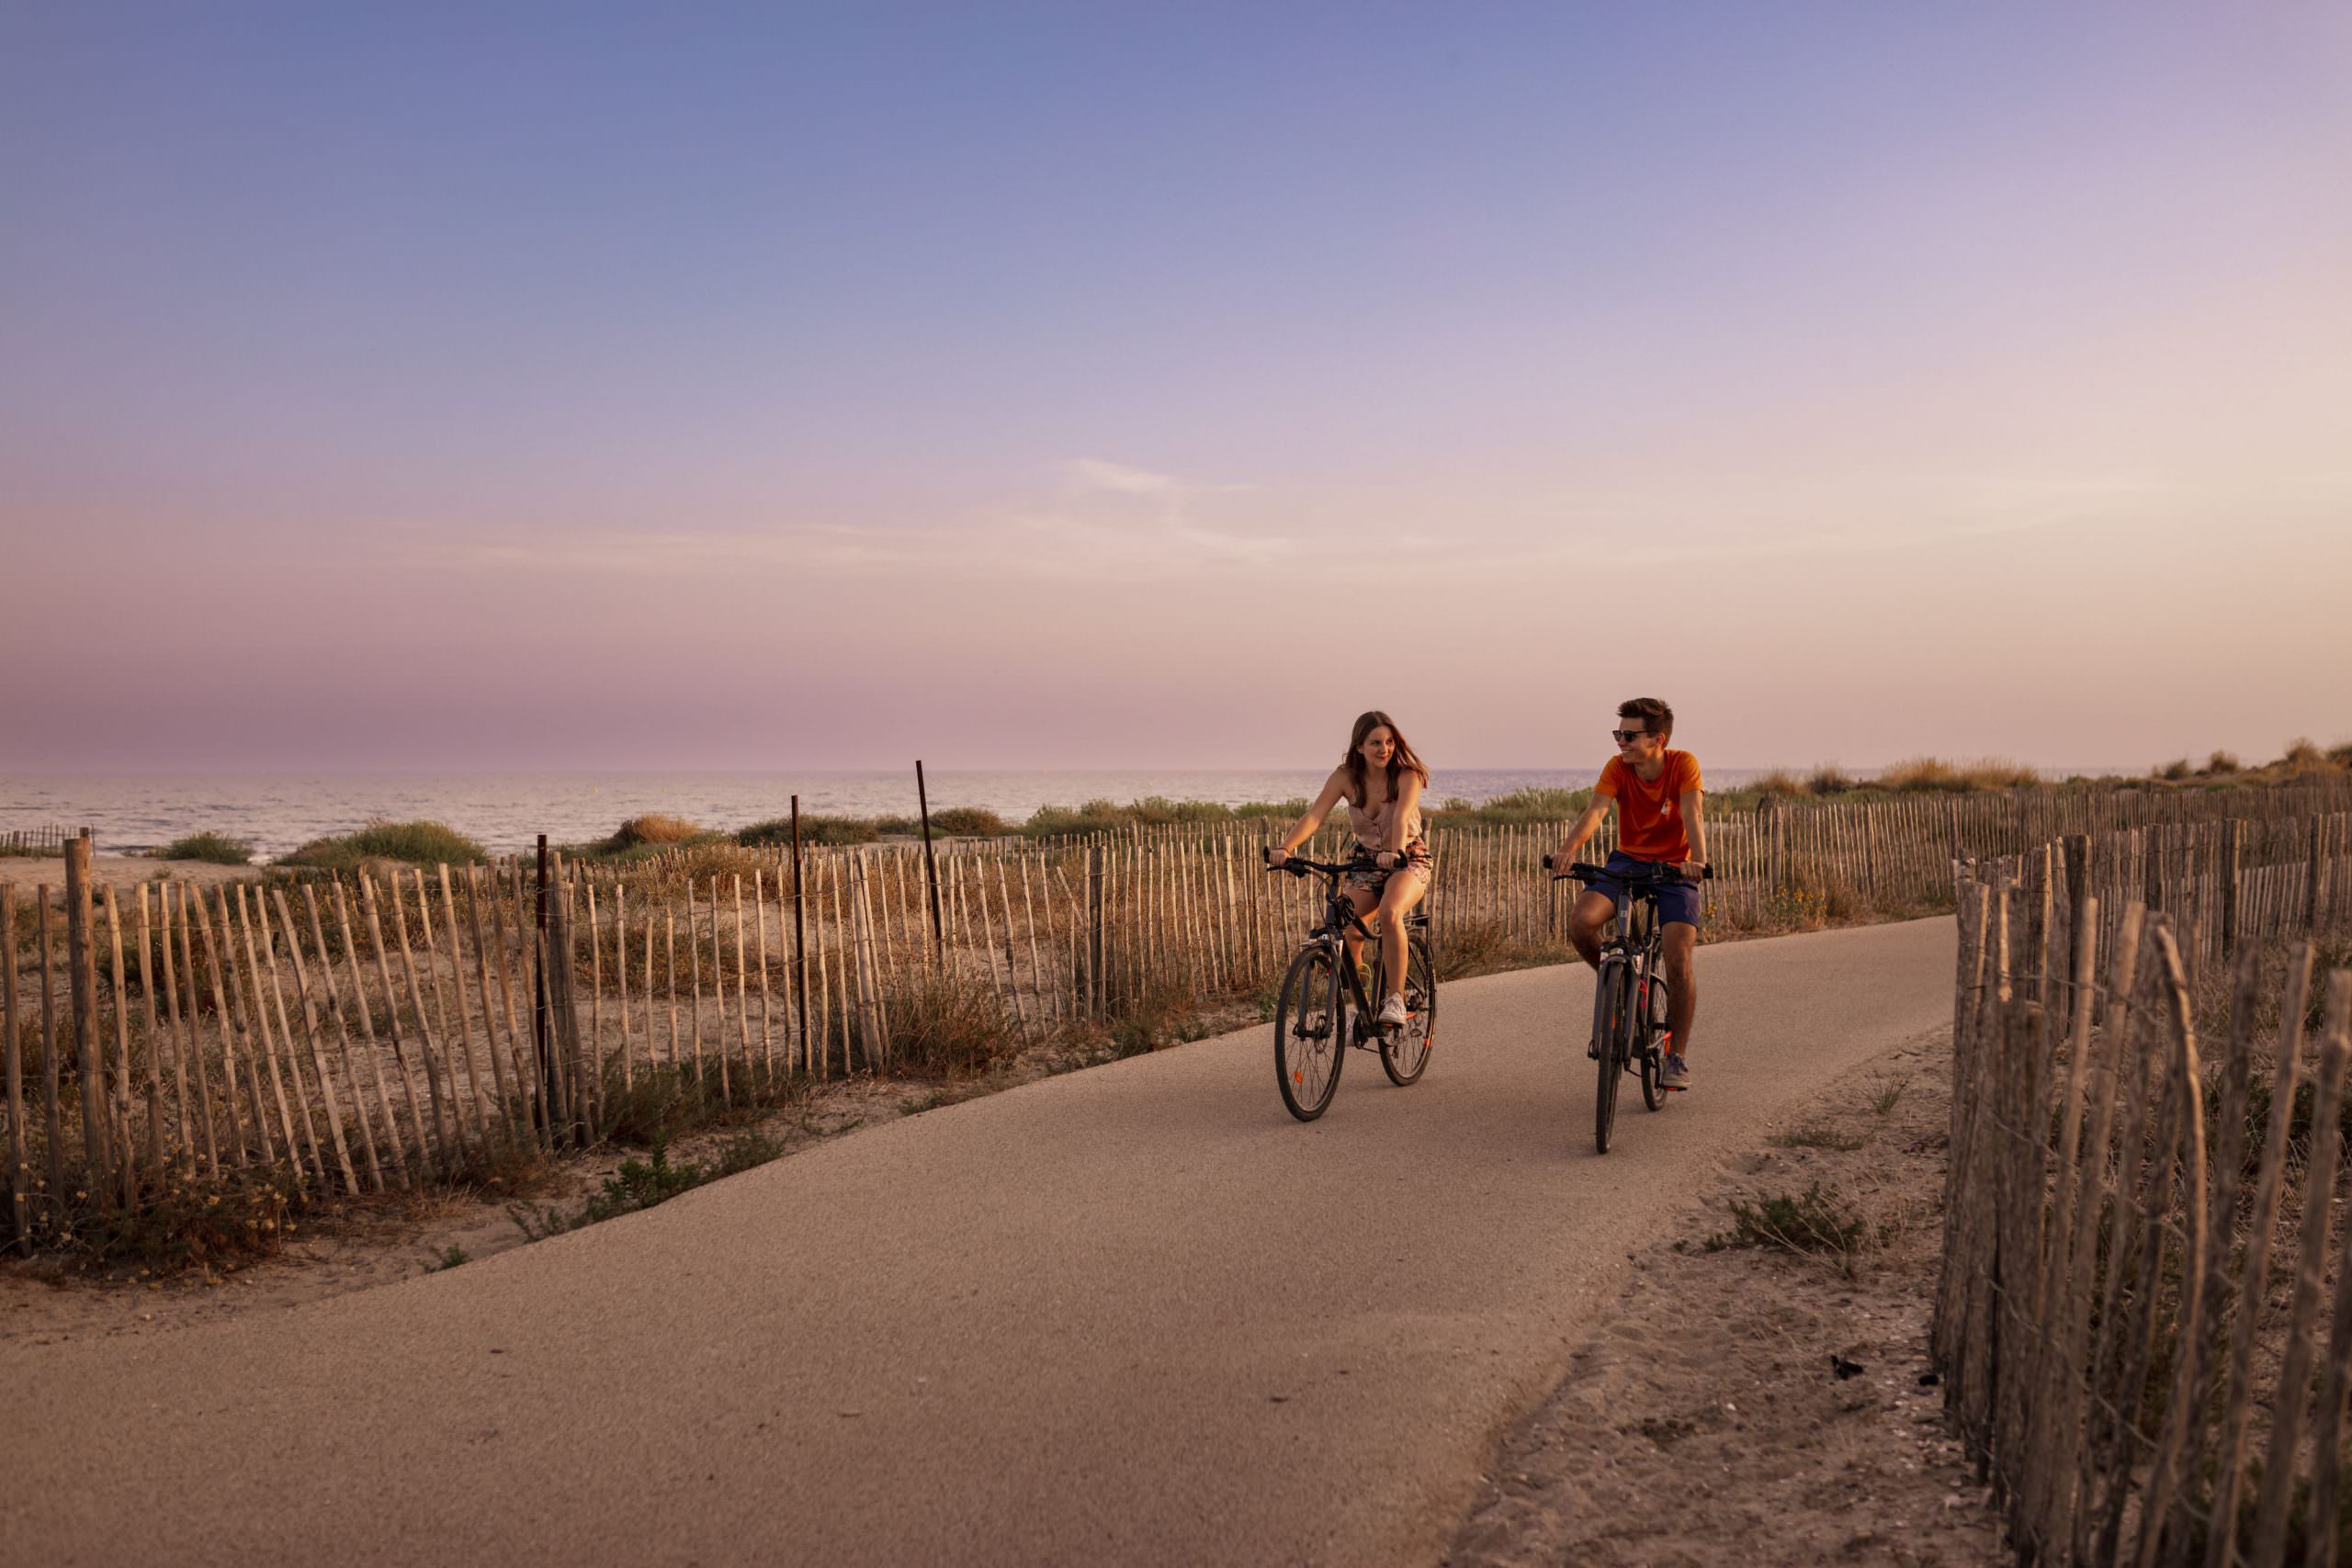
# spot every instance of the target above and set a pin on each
(1323, 1008)
(1629, 994)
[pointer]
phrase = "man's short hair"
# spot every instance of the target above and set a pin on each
(1659, 718)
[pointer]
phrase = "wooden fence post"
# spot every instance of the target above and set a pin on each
(2233, 857)
(10, 1047)
(930, 868)
(1097, 997)
(2077, 851)
(799, 942)
(82, 968)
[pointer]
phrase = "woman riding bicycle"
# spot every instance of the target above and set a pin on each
(1381, 781)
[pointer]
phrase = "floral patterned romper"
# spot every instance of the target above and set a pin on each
(1371, 826)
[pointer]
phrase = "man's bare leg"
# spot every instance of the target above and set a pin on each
(1678, 942)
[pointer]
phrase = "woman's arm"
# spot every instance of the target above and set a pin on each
(1409, 795)
(1304, 829)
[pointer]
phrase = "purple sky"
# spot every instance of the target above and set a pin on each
(483, 388)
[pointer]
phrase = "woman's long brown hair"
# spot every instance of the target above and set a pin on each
(1399, 760)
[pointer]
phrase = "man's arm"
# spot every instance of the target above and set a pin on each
(1586, 826)
(1695, 827)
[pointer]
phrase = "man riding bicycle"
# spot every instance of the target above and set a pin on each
(1657, 795)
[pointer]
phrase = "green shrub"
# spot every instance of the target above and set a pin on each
(1815, 1222)
(970, 822)
(1818, 1135)
(218, 848)
(777, 832)
(1519, 808)
(191, 1219)
(418, 843)
(644, 1183)
(1152, 811)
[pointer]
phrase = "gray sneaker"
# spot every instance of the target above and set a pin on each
(1676, 1074)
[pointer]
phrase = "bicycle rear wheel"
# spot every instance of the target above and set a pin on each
(1405, 1052)
(1652, 1018)
(1309, 1034)
(1612, 1005)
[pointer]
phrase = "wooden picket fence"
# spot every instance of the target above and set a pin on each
(400, 1026)
(2144, 1316)
(43, 840)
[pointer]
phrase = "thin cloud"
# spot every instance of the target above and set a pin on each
(1111, 522)
(1115, 523)
(1085, 474)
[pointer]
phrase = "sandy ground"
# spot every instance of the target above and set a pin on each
(121, 872)
(1706, 1409)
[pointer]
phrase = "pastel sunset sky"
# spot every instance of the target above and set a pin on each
(489, 387)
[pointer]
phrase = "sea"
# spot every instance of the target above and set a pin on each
(506, 811)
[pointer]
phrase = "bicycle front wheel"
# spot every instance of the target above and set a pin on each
(1405, 1052)
(1308, 1033)
(1613, 1009)
(1653, 1020)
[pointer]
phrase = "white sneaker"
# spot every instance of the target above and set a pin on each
(1392, 1012)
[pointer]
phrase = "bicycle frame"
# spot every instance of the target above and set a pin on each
(1633, 942)
(1339, 919)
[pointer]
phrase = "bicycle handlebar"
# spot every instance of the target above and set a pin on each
(1583, 871)
(1299, 866)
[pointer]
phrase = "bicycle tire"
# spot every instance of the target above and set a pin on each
(1654, 1094)
(1405, 1054)
(1615, 1004)
(1309, 1034)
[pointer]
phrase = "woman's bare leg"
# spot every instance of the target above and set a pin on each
(1396, 901)
(1365, 901)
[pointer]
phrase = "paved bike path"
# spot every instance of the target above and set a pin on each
(1133, 1315)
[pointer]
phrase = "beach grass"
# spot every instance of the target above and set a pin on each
(416, 843)
(218, 848)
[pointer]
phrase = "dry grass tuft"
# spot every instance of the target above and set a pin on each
(1924, 773)
(948, 1028)
(653, 828)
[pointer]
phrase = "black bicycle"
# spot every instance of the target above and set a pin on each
(1323, 1007)
(1630, 994)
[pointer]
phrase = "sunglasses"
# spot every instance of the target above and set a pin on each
(1626, 737)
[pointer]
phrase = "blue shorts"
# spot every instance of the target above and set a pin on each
(1678, 904)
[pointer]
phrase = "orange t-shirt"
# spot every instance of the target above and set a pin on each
(1649, 815)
